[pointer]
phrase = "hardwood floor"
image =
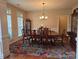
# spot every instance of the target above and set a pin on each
(24, 56)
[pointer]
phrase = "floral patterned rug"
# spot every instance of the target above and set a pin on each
(59, 52)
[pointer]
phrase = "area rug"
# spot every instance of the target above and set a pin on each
(59, 52)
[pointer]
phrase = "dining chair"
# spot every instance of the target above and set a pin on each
(24, 36)
(58, 40)
(34, 36)
(45, 37)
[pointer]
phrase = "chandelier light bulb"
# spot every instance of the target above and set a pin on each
(40, 17)
(46, 17)
(43, 17)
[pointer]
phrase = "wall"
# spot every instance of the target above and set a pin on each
(53, 19)
(75, 6)
(5, 38)
(14, 21)
(52, 22)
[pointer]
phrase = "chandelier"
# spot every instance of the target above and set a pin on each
(43, 17)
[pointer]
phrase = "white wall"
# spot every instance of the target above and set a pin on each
(69, 23)
(14, 21)
(5, 39)
(53, 19)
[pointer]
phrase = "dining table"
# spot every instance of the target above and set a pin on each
(50, 36)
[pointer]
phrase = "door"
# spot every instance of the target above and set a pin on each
(62, 24)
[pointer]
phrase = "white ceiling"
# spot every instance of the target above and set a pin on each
(33, 5)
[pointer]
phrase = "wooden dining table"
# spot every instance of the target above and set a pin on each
(53, 35)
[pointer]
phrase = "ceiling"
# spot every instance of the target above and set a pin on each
(33, 5)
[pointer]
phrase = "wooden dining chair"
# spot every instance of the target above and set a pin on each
(60, 38)
(33, 36)
(24, 36)
(45, 37)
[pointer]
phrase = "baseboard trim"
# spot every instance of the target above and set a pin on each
(7, 57)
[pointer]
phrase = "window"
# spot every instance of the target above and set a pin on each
(0, 31)
(20, 23)
(9, 23)
(1, 43)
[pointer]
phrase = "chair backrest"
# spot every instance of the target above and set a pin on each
(40, 31)
(33, 32)
(64, 34)
(43, 31)
(46, 31)
(72, 34)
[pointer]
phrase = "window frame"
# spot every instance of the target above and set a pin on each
(20, 17)
(9, 13)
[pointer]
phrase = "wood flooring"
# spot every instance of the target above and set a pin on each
(24, 56)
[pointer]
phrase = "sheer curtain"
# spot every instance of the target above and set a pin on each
(1, 44)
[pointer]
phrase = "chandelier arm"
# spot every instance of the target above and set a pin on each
(43, 10)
